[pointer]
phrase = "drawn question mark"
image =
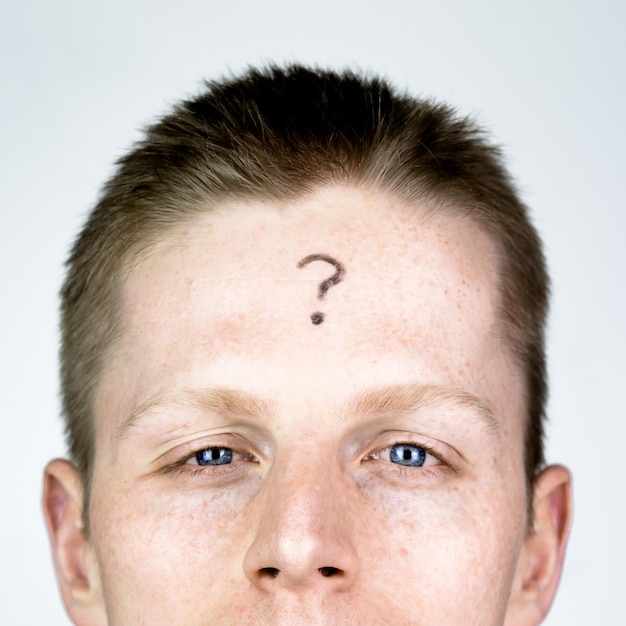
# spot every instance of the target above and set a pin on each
(324, 286)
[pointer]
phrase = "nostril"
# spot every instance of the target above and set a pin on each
(272, 572)
(329, 571)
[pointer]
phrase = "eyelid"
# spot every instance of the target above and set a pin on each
(236, 456)
(444, 454)
(178, 457)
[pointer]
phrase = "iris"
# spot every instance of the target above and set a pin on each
(214, 456)
(407, 454)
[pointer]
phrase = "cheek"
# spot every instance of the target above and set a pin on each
(455, 551)
(163, 556)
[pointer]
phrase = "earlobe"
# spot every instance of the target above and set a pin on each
(74, 560)
(541, 562)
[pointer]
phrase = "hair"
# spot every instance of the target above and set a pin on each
(278, 134)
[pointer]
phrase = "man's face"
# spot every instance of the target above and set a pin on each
(254, 467)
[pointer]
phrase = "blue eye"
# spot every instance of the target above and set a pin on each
(214, 456)
(407, 454)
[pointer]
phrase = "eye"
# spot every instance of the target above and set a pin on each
(407, 454)
(213, 456)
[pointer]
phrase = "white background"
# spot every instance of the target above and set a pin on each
(547, 77)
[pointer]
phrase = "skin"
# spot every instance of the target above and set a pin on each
(314, 521)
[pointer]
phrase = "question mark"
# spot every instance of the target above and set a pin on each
(324, 286)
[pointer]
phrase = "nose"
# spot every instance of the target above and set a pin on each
(304, 531)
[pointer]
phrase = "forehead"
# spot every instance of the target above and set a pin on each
(253, 253)
(224, 302)
(228, 289)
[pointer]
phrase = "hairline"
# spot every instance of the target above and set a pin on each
(424, 203)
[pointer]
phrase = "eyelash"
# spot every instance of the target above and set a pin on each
(428, 450)
(406, 471)
(191, 471)
(183, 467)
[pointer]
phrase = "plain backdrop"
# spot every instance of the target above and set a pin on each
(79, 78)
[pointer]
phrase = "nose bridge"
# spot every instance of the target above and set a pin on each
(303, 527)
(304, 493)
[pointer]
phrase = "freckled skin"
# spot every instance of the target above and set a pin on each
(223, 304)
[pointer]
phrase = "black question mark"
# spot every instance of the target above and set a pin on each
(337, 277)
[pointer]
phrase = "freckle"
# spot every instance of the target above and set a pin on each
(408, 524)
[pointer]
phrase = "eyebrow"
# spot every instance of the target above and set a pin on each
(222, 401)
(378, 403)
(404, 399)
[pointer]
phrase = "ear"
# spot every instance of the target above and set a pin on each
(74, 559)
(541, 560)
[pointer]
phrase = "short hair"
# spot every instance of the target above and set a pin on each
(279, 134)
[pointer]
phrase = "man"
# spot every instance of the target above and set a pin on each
(303, 372)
